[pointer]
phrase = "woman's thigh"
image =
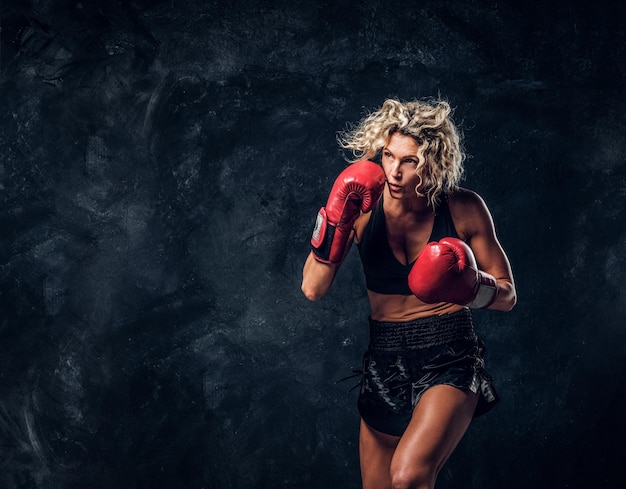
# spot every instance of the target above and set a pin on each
(439, 421)
(376, 450)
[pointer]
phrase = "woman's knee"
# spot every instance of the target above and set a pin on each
(414, 476)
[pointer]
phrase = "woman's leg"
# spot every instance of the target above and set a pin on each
(439, 421)
(376, 450)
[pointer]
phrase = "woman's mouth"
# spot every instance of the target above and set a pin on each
(394, 187)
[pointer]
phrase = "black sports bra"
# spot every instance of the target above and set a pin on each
(384, 274)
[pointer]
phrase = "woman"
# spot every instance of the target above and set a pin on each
(423, 377)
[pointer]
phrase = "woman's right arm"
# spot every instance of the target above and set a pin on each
(317, 277)
(355, 191)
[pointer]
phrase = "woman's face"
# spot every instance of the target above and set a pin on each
(399, 160)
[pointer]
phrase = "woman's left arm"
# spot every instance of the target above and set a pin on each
(475, 225)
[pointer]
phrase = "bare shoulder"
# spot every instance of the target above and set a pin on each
(469, 212)
(464, 197)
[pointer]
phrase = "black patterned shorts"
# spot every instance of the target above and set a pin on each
(405, 359)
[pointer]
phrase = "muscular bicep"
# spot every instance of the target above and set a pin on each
(478, 230)
(492, 259)
(490, 255)
(481, 236)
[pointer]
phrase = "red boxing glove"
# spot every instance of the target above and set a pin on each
(356, 189)
(446, 271)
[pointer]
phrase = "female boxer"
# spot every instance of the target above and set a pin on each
(430, 253)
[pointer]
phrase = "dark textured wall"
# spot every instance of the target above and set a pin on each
(161, 165)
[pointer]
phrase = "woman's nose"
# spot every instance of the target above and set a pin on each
(395, 169)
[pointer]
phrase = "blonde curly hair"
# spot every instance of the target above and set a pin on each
(440, 153)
